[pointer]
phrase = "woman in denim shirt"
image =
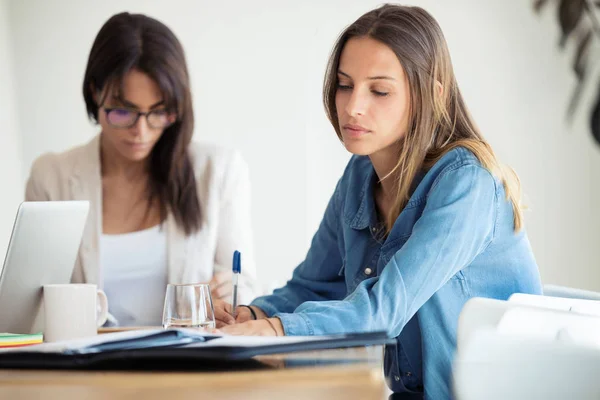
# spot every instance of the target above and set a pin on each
(424, 217)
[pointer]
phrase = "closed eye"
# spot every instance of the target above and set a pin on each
(380, 94)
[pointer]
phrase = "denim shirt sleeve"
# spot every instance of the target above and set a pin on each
(457, 224)
(317, 277)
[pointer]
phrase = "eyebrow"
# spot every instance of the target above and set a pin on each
(132, 105)
(371, 78)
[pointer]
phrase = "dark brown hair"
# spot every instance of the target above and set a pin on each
(438, 116)
(134, 41)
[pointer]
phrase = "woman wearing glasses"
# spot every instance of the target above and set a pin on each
(163, 209)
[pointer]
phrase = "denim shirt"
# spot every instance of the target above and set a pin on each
(454, 240)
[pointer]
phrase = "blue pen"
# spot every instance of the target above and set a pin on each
(237, 270)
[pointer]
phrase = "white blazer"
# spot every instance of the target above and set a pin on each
(223, 191)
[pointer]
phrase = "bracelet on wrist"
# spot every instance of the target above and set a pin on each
(254, 317)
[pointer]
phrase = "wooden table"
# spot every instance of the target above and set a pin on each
(330, 374)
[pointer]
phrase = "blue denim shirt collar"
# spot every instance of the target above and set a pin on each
(362, 214)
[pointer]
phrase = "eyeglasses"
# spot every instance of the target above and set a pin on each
(126, 118)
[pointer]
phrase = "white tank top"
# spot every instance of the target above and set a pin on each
(134, 266)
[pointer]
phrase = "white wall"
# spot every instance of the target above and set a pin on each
(257, 70)
(10, 151)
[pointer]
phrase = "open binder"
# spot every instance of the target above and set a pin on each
(173, 349)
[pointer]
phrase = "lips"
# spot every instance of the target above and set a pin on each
(355, 128)
(354, 131)
(137, 145)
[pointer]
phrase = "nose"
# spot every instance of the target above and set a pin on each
(141, 127)
(357, 104)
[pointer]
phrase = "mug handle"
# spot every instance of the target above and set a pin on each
(102, 308)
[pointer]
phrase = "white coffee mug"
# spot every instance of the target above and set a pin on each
(73, 311)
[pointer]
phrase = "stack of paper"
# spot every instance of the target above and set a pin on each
(128, 340)
(172, 349)
(18, 340)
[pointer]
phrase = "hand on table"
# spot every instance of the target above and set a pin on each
(260, 327)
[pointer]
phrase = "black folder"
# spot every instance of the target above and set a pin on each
(170, 350)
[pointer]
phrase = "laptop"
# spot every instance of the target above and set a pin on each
(42, 250)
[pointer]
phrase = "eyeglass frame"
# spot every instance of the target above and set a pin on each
(107, 110)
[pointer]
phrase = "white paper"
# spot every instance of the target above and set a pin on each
(581, 306)
(547, 324)
(587, 308)
(59, 347)
(256, 341)
(223, 340)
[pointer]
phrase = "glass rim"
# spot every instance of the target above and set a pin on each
(54, 285)
(187, 284)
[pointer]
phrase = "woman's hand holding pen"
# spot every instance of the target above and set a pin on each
(244, 323)
(224, 315)
(242, 320)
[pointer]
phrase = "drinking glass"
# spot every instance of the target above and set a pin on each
(188, 306)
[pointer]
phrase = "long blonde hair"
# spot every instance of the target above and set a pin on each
(439, 120)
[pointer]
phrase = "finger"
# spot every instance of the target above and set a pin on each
(225, 318)
(222, 315)
(220, 324)
(242, 314)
